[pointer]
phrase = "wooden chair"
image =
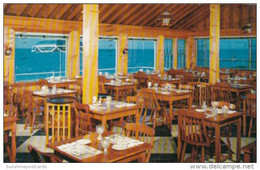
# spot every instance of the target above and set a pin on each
(193, 131)
(184, 103)
(150, 103)
(251, 111)
(42, 82)
(249, 152)
(141, 78)
(141, 132)
(59, 120)
(102, 92)
(84, 124)
(41, 157)
(18, 95)
(34, 108)
(221, 92)
(200, 92)
(129, 119)
(10, 110)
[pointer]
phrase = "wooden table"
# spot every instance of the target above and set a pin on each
(45, 96)
(61, 84)
(135, 153)
(10, 125)
(170, 98)
(104, 114)
(240, 89)
(175, 81)
(120, 88)
(220, 121)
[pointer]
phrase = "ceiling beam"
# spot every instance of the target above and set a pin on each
(117, 14)
(128, 13)
(145, 15)
(106, 13)
(193, 17)
(132, 15)
(197, 20)
(184, 14)
(138, 14)
(75, 11)
(152, 18)
(69, 12)
(49, 11)
(64, 9)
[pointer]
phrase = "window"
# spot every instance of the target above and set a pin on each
(181, 54)
(141, 54)
(235, 53)
(39, 56)
(202, 53)
(168, 54)
(107, 54)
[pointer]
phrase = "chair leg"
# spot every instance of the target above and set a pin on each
(27, 120)
(202, 154)
(183, 152)
(33, 122)
(228, 143)
(250, 126)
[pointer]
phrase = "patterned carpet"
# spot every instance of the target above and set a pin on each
(165, 144)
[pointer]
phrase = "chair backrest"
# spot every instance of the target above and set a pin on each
(41, 157)
(101, 84)
(42, 82)
(10, 110)
(192, 127)
(83, 120)
(59, 120)
(221, 92)
(141, 132)
(149, 100)
(251, 105)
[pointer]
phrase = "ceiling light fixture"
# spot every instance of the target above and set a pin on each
(165, 18)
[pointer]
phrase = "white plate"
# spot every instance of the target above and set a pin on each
(200, 110)
(231, 111)
(83, 141)
(119, 147)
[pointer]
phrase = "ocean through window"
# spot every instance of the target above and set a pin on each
(39, 56)
(141, 54)
(234, 53)
(107, 54)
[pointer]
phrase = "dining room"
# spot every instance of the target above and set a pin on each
(124, 82)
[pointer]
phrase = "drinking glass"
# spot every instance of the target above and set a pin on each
(99, 130)
(155, 85)
(105, 144)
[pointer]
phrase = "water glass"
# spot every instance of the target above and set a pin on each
(105, 144)
(149, 85)
(99, 129)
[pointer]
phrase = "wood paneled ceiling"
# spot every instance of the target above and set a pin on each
(186, 16)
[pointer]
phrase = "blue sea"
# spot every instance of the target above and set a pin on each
(36, 65)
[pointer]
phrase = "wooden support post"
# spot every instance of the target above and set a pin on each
(73, 68)
(122, 64)
(90, 52)
(9, 62)
(175, 52)
(160, 54)
(214, 43)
